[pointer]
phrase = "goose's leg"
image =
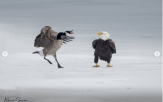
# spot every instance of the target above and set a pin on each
(59, 66)
(44, 54)
(47, 60)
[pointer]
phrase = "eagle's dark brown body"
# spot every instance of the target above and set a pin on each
(104, 49)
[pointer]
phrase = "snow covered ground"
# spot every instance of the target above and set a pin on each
(135, 27)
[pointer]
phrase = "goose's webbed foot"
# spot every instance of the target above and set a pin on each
(59, 66)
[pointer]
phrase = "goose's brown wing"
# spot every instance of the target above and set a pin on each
(47, 32)
(46, 36)
(41, 42)
(53, 35)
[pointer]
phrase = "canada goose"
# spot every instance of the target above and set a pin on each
(52, 43)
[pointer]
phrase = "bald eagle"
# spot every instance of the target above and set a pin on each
(104, 48)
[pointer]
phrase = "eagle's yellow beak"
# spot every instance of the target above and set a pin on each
(99, 33)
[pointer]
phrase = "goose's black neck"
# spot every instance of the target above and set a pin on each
(60, 34)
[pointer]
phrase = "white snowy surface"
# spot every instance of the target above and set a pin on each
(134, 26)
(31, 77)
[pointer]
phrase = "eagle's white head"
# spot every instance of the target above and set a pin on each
(103, 35)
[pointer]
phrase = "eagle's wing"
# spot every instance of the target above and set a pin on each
(67, 38)
(112, 46)
(94, 43)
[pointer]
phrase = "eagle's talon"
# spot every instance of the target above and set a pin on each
(96, 66)
(109, 65)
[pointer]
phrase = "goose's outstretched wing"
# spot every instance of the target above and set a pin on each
(47, 32)
(46, 36)
(41, 42)
(44, 42)
(67, 38)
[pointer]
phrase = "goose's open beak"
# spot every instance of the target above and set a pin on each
(71, 32)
